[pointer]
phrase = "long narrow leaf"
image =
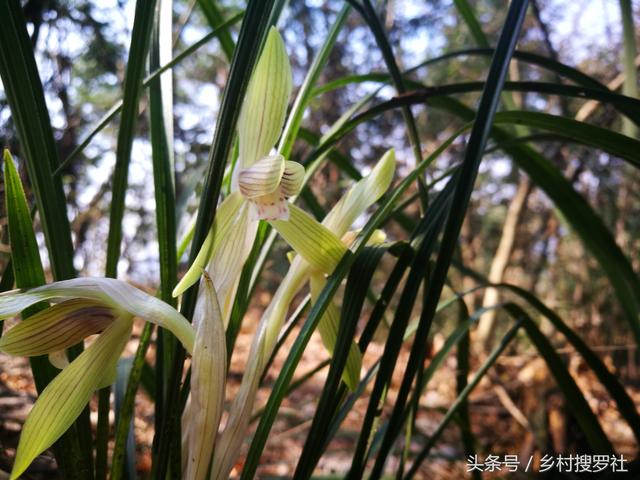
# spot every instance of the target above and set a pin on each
(580, 409)
(161, 125)
(574, 208)
(117, 108)
(140, 39)
(460, 399)
(630, 86)
(215, 18)
(26, 98)
(625, 404)
(292, 126)
(581, 132)
(355, 293)
(464, 187)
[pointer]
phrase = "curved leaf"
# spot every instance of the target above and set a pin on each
(65, 397)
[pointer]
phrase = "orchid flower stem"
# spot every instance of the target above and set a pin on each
(296, 384)
(102, 433)
(286, 331)
(126, 412)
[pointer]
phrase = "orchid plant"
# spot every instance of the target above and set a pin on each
(262, 184)
(75, 330)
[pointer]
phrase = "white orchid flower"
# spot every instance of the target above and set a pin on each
(85, 306)
(261, 186)
(320, 249)
(262, 182)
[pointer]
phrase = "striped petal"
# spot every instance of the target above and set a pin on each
(226, 265)
(313, 241)
(361, 196)
(292, 179)
(265, 103)
(56, 328)
(116, 294)
(65, 397)
(227, 216)
(328, 328)
(261, 178)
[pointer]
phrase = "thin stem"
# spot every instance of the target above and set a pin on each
(102, 433)
(127, 405)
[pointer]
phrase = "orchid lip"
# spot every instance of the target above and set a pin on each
(267, 185)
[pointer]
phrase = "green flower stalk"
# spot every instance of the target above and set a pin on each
(261, 183)
(86, 306)
(320, 249)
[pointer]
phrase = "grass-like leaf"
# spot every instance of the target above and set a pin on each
(162, 152)
(580, 409)
(575, 209)
(28, 272)
(466, 12)
(355, 293)
(625, 404)
(139, 47)
(630, 86)
(28, 108)
(214, 16)
(292, 126)
(580, 132)
(460, 399)
(464, 187)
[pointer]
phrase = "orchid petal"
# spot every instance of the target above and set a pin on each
(270, 207)
(226, 265)
(59, 359)
(361, 195)
(265, 103)
(207, 383)
(292, 179)
(313, 241)
(226, 218)
(114, 293)
(261, 178)
(67, 394)
(377, 237)
(328, 328)
(56, 328)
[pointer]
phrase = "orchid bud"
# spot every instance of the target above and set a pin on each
(209, 368)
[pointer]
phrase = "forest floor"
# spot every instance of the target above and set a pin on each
(516, 410)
